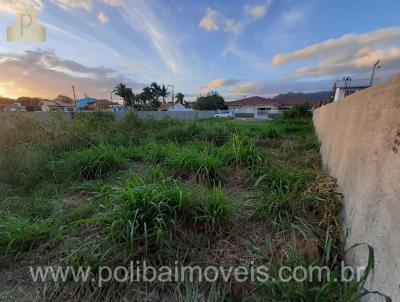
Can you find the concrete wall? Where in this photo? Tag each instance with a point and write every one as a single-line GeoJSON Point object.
{"type": "Point", "coordinates": [360, 137]}
{"type": "Point", "coordinates": [157, 115]}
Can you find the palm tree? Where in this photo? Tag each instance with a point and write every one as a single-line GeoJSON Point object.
{"type": "Point", "coordinates": [164, 93]}
{"type": "Point", "coordinates": [156, 89]}
{"type": "Point", "coordinates": [124, 92]}
{"type": "Point", "coordinates": [179, 98]}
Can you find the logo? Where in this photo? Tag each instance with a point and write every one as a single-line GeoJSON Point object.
{"type": "Point", "coordinates": [26, 29]}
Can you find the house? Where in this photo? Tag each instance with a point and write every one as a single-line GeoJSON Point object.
{"type": "Point", "coordinates": [347, 87]}
{"type": "Point", "coordinates": [174, 107]}
{"type": "Point", "coordinates": [15, 107]}
{"type": "Point", "coordinates": [117, 108]}
{"type": "Point", "coordinates": [85, 103]}
{"type": "Point", "coordinates": [53, 106]}
{"type": "Point", "coordinates": [259, 107]}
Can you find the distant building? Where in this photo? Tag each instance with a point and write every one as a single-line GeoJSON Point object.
{"type": "Point", "coordinates": [85, 103]}
{"type": "Point", "coordinates": [117, 108]}
{"type": "Point", "coordinates": [347, 86]}
{"type": "Point", "coordinates": [56, 106]}
{"type": "Point", "coordinates": [174, 107]}
{"type": "Point", "coordinates": [259, 107]}
{"type": "Point", "coordinates": [15, 107]}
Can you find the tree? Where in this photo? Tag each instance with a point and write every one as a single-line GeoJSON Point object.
{"type": "Point", "coordinates": [156, 90]}
{"type": "Point", "coordinates": [299, 111]}
{"type": "Point", "coordinates": [164, 93]}
{"type": "Point", "coordinates": [64, 98]}
{"type": "Point", "coordinates": [124, 92]}
{"type": "Point", "coordinates": [180, 98]}
{"type": "Point", "coordinates": [212, 101]}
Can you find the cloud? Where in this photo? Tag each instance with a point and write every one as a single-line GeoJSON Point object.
{"type": "Point", "coordinates": [210, 20]}
{"type": "Point", "coordinates": [74, 4]}
{"type": "Point", "coordinates": [257, 11]}
{"type": "Point", "coordinates": [218, 83]}
{"type": "Point", "coordinates": [142, 18]}
{"type": "Point", "coordinates": [274, 87]}
{"type": "Point", "coordinates": [343, 45]}
{"type": "Point", "coordinates": [293, 17]}
{"type": "Point", "coordinates": [233, 26]}
{"type": "Point", "coordinates": [112, 2]}
{"type": "Point", "coordinates": [11, 6]}
{"type": "Point", "coordinates": [352, 54]}
{"type": "Point", "coordinates": [215, 21]}
{"type": "Point", "coordinates": [246, 88]}
{"type": "Point", "coordinates": [103, 18]}
{"type": "Point", "coordinates": [389, 60]}
{"type": "Point", "coordinates": [43, 73]}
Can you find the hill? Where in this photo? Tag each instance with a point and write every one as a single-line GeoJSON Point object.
{"type": "Point", "coordinates": [313, 97]}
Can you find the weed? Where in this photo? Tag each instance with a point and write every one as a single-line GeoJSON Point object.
{"type": "Point", "coordinates": [217, 207]}
{"type": "Point", "coordinates": [21, 235]}
{"type": "Point", "coordinates": [92, 163]}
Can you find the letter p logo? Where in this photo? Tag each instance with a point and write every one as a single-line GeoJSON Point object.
{"type": "Point", "coordinates": [26, 29]}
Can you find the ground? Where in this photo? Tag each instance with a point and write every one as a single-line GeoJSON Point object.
{"type": "Point", "coordinates": [98, 192]}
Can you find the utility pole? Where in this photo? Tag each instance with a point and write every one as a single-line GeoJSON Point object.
{"type": "Point", "coordinates": [73, 91]}
{"type": "Point", "coordinates": [376, 65]}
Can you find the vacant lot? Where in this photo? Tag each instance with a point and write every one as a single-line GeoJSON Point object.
{"type": "Point", "coordinates": [98, 192]}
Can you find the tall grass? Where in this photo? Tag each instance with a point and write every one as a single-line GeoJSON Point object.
{"type": "Point", "coordinates": [91, 163]}
{"type": "Point", "coordinates": [20, 235]}
{"type": "Point", "coordinates": [163, 189]}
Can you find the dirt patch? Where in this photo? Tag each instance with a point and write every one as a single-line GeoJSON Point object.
{"type": "Point", "coordinates": [237, 180]}
{"type": "Point", "coordinates": [75, 200]}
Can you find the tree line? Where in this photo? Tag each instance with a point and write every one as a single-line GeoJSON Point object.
{"type": "Point", "coordinates": [149, 98]}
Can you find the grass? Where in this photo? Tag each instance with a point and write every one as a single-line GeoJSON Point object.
{"type": "Point", "coordinates": [97, 191]}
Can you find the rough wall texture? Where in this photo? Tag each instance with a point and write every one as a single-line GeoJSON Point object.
{"type": "Point", "coordinates": [360, 146]}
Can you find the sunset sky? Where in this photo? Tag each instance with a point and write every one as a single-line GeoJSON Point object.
{"type": "Point", "coordinates": [238, 48]}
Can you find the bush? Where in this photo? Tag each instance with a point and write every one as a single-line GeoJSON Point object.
{"type": "Point", "coordinates": [298, 111]}
{"type": "Point", "coordinates": [212, 101]}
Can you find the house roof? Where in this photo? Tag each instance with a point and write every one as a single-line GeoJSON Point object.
{"type": "Point", "coordinates": [56, 104]}
{"type": "Point", "coordinates": [166, 106]}
{"type": "Point", "coordinates": [14, 105]}
{"type": "Point", "coordinates": [252, 101]}
{"type": "Point", "coordinates": [260, 101]}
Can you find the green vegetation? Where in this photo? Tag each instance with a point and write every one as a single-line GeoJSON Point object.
{"type": "Point", "coordinates": [299, 111]}
{"type": "Point", "coordinates": [211, 101]}
{"type": "Point", "coordinates": [96, 191]}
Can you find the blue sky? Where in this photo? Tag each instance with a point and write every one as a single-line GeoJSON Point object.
{"type": "Point", "coordinates": [239, 48]}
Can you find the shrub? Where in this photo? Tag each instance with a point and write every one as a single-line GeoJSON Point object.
{"type": "Point", "coordinates": [298, 111]}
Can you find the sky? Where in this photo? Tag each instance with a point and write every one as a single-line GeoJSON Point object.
{"type": "Point", "coordinates": [238, 48]}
